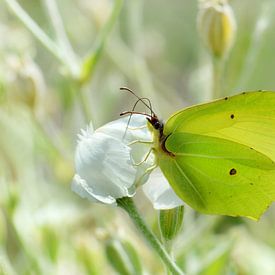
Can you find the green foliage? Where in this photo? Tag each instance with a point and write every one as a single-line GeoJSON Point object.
{"type": "Point", "coordinates": [123, 257]}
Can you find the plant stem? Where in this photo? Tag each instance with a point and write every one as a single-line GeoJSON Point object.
{"type": "Point", "coordinates": [32, 26]}
{"type": "Point", "coordinates": [258, 38]}
{"type": "Point", "coordinates": [17, 251]}
{"type": "Point", "coordinates": [63, 50]}
{"type": "Point", "coordinates": [217, 71]}
{"type": "Point", "coordinates": [93, 57]}
{"type": "Point", "coordinates": [108, 26]}
{"type": "Point", "coordinates": [136, 33]}
{"type": "Point", "coordinates": [168, 247]}
{"type": "Point", "coordinates": [86, 109]}
{"type": "Point", "coordinates": [51, 146]}
{"type": "Point", "coordinates": [61, 36]}
{"type": "Point", "coordinates": [128, 205]}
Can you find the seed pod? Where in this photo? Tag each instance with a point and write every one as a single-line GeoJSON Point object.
{"type": "Point", "coordinates": [170, 222]}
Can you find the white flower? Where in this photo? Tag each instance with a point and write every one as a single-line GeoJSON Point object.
{"type": "Point", "coordinates": [105, 164]}
{"type": "Point", "coordinates": [160, 193]}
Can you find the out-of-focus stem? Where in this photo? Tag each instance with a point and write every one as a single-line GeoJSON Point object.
{"type": "Point", "coordinates": [37, 31]}
{"type": "Point", "coordinates": [86, 108]}
{"type": "Point", "coordinates": [217, 71]}
{"type": "Point", "coordinates": [61, 36]}
{"type": "Point", "coordinates": [128, 205]}
{"type": "Point", "coordinates": [93, 57]}
{"type": "Point", "coordinates": [17, 242]}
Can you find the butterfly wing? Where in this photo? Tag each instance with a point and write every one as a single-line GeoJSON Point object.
{"type": "Point", "coordinates": [217, 176]}
{"type": "Point", "coordinates": [248, 118]}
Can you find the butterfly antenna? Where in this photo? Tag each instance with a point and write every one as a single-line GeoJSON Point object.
{"type": "Point", "coordinates": [142, 99]}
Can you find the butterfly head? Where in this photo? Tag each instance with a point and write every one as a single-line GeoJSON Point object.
{"type": "Point", "coordinates": [156, 123]}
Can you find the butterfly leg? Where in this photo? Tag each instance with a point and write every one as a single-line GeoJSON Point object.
{"type": "Point", "coordinates": [151, 168]}
{"type": "Point", "coordinates": [145, 158]}
{"type": "Point", "coordinates": [147, 154]}
{"type": "Point", "coordinates": [133, 129]}
{"type": "Point", "coordinates": [154, 165]}
{"type": "Point", "coordinates": [146, 173]}
{"type": "Point", "coordinates": [137, 128]}
{"type": "Point", "coordinates": [140, 141]}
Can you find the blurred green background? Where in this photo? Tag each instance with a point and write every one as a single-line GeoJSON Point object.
{"type": "Point", "coordinates": [65, 70]}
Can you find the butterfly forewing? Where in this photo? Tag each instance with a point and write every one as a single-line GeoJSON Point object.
{"type": "Point", "coordinates": [248, 118]}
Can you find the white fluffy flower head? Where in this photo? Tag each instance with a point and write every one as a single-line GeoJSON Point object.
{"type": "Point", "coordinates": [105, 162]}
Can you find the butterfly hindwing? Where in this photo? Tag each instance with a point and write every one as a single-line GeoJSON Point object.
{"type": "Point", "coordinates": [218, 176]}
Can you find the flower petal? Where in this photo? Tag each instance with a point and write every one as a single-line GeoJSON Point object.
{"type": "Point", "coordinates": [81, 187]}
{"type": "Point", "coordinates": [105, 159]}
{"type": "Point", "coordinates": [159, 192]}
{"type": "Point", "coordinates": [136, 130]}
{"type": "Point", "coordinates": [105, 164]}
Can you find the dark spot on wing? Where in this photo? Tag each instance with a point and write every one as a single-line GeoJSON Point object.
{"type": "Point", "coordinates": [260, 90]}
{"type": "Point", "coordinates": [243, 93]}
{"type": "Point", "coordinates": [233, 171]}
{"type": "Point", "coordinates": [232, 116]}
{"type": "Point", "coordinates": [251, 183]}
{"type": "Point", "coordinates": [226, 98]}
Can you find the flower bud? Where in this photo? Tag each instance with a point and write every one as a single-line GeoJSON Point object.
{"type": "Point", "coordinates": [25, 81]}
{"type": "Point", "coordinates": [217, 26]}
{"type": "Point", "coordinates": [123, 257]}
{"type": "Point", "coordinates": [170, 222]}
{"type": "Point", "coordinates": [100, 10]}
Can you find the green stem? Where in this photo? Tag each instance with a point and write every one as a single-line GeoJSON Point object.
{"type": "Point", "coordinates": [141, 71]}
{"type": "Point", "coordinates": [93, 57]}
{"type": "Point", "coordinates": [17, 251]}
{"type": "Point", "coordinates": [51, 146]}
{"type": "Point", "coordinates": [109, 25]}
{"type": "Point", "coordinates": [217, 64]}
{"type": "Point", "coordinates": [61, 36]}
{"type": "Point", "coordinates": [64, 53]}
{"type": "Point", "coordinates": [168, 247]}
{"type": "Point", "coordinates": [86, 108]}
{"type": "Point", "coordinates": [258, 38]}
{"type": "Point", "coordinates": [38, 32]}
{"type": "Point", "coordinates": [128, 205]}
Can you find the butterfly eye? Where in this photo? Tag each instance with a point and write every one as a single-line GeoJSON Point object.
{"type": "Point", "coordinates": [157, 125]}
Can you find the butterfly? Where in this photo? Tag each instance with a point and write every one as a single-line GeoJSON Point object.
{"type": "Point", "coordinates": [219, 157]}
